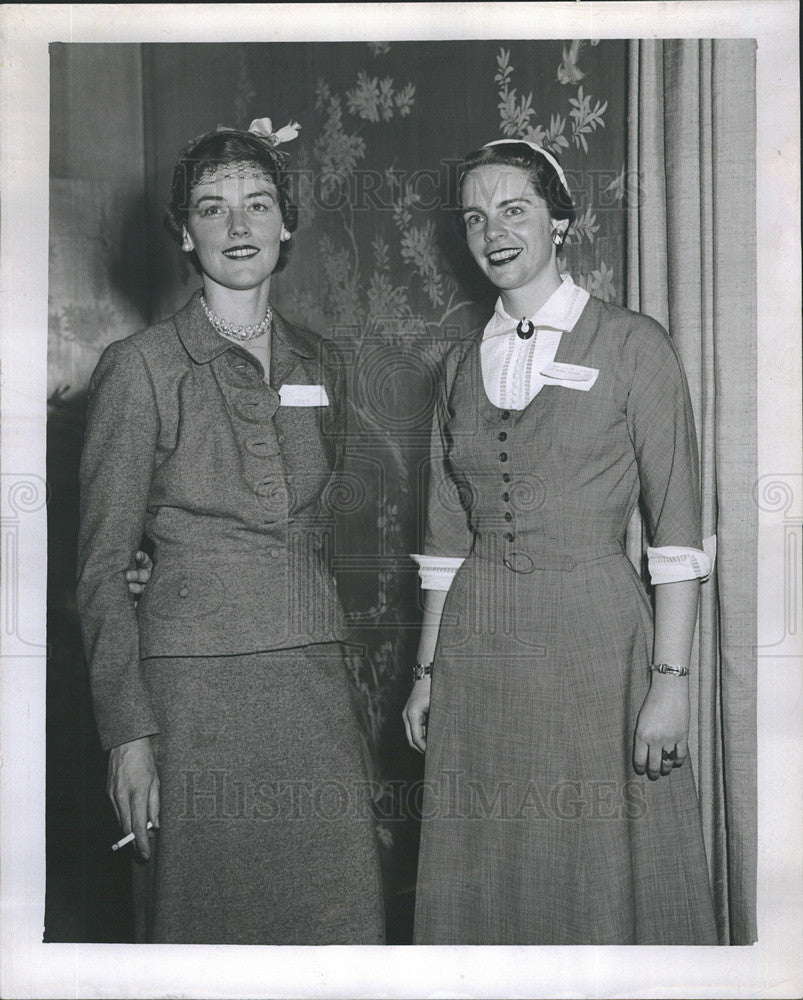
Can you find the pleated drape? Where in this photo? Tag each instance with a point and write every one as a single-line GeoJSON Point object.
{"type": "Point", "coordinates": [691, 264]}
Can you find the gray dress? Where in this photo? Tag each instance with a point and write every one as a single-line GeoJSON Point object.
{"type": "Point", "coordinates": [537, 830]}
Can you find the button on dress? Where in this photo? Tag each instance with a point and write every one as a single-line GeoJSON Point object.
{"type": "Point", "coordinates": [536, 828]}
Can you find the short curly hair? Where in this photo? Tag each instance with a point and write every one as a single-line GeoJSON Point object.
{"type": "Point", "coordinates": [226, 148]}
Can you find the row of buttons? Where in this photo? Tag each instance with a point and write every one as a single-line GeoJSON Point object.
{"type": "Point", "coordinates": [503, 457]}
{"type": "Point", "coordinates": [252, 403]}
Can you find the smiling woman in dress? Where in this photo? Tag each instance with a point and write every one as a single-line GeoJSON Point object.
{"type": "Point", "coordinates": [222, 696]}
{"type": "Point", "coordinates": [552, 706]}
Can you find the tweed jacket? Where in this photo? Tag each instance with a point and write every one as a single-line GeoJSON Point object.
{"type": "Point", "coordinates": [187, 445]}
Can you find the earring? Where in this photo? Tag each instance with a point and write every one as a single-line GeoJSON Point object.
{"type": "Point", "coordinates": [558, 237]}
{"type": "Point", "coordinates": [284, 235]}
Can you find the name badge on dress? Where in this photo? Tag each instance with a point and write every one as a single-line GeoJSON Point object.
{"type": "Point", "coordinates": [570, 376]}
{"type": "Point", "coordinates": [303, 395]}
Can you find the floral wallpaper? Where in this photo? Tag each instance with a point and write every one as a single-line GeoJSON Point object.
{"type": "Point", "coordinates": [379, 267]}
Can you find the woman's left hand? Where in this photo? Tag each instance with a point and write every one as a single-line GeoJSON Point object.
{"type": "Point", "coordinates": [662, 731]}
{"type": "Point", "coordinates": [416, 713]}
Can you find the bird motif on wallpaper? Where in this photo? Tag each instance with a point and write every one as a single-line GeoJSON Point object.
{"type": "Point", "coordinates": [568, 71]}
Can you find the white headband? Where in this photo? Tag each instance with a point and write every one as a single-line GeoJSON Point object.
{"type": "Point", "coordinates": [539, 149]}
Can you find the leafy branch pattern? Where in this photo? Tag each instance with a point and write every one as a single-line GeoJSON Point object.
{"type": "Point", "coordinates": [585, 227]}
{"type": "Point", "coordinates": [375, 100]}
{"type": "Point", "coordinates": [572, 129]}
{"type": "Point", "coordinates": [585, 119]}
{"type": "Point", "coordinates": [384, 307]}
{"type": "Point", "coordinates": [599, 282]}
{"type": "Point", "coordinates": [518, 115]}
{"type": "Point", "coordinates": [245, 92]}
{"type": "Point", "coordinates": [337, 151]}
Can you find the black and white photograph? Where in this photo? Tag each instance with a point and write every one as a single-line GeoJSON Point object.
{"type": "Point", "coordinates": [402, 500]}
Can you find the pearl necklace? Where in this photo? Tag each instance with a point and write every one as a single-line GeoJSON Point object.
{"type": "Point", "coordinates": [232, 330]}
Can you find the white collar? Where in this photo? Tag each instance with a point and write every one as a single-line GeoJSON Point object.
{"type": "Point", "coordinates": [560, 311]}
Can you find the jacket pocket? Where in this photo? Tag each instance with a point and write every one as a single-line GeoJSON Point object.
{"type": "Point", "coordinates": [182, 593]}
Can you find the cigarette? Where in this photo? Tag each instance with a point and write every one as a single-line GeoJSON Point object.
{"type": "Point", "coordinates": [127, 839]}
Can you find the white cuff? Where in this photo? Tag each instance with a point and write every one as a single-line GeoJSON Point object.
{"type": "Point", "coordinates": [674, 563]}
{"type": "Point", "coordinates": [437, 572]}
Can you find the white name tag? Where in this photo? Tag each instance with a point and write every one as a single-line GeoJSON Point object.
{"type": "Point", "coordinates": [570, 376]}
{"type": "Point", "coordinates": [303, 395]}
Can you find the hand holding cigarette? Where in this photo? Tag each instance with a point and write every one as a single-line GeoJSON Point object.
{"type": "Point", "coordinates": [133, 787]}
{"type": "Point", "coordinates": [129, 838]}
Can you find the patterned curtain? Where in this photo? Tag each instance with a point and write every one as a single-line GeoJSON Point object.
{"type": "Point", "coordinates": [379, 267]}
{"type": "Point", "coordinates": [692, 266]}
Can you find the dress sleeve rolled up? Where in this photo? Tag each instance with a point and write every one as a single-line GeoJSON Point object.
{"type": "Point", "coordinates": [447, 529]}
{"type": "Point", "coordinates": [661, 425]}
{"type": "Point", "coordinates": [116, 470]}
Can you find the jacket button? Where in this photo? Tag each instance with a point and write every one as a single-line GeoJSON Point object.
{"type": "Point", "coordinates": [506, 497]}
{"type": "Point", "coordinates": [502, 436]}
{"type": "Point", "coordinates": [502, 456]}
{"type": "Point", "coordinates": [510, 536]}
{"type": "Point", "coordinates": [275, 553]}
{"type": "Point", "coordinates": [505, 415]}
{"type": "Point", "coordinates": [258, 447]}
{"type": "Point", "coordinates": [184, 591]}
{"type": "Point", "coordinates": [508, 516]}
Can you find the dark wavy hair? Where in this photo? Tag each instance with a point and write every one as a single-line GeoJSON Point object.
{"type": "Point", "coordinates": [541, 173]}
{"type": "Point", "coordinates": [222, 148]}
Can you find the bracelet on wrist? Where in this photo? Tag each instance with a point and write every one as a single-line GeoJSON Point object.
{"type": "Point", "coordinates": [421, 670]}
{"type": "Point", "coordinates": [668, 668]}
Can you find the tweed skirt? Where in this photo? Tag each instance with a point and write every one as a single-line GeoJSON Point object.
{"type": "Point", "coordinates": [266, 834]}
{"type": "Point", "coordinates": [536, 828]}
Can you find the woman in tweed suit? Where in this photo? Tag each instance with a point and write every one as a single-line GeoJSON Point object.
{"type": "Point", "coordinates": [553, 708]}
{"type": "Point", "coordinates": [222, 696]}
